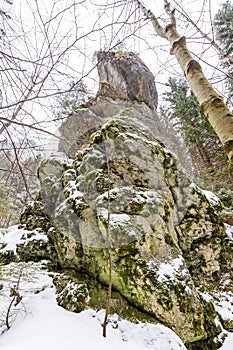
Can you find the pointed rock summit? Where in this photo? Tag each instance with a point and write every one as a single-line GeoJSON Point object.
{"type": "Point", "coordinates": [125, 82]}
{"type": "Point", "coordinates": [125, 76]}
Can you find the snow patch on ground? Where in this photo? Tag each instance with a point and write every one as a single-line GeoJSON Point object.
{"type": "Point", "coordinates": [39, 323]}
{"type": "Point", "coordinates": [12, 236]}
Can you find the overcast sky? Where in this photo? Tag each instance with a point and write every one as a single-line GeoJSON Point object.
{"type": "Point", "coordinates": [80, 20]}
{"type": "Point", "coordinates": [152, 49]}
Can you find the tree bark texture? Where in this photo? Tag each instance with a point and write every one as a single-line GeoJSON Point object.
{"type": "Point", "coordinates": [212, 104]}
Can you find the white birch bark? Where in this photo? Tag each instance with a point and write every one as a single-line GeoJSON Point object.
{"type": "Point", "coordinates": [212, 104]}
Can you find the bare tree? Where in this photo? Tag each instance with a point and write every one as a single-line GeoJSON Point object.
{"type": "Point", "coordinates": [44, 46]}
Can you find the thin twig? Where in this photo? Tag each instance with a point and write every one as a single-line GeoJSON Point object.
{"type": "Point", "coordinates": [16, 298]}
{"type": "Point", "coordinates": [108, 304]}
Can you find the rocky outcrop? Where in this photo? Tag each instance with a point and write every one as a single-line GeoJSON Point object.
{"type": "Point", "coordinates": [126, 192]}
{"type": "Point", "coordinates": [124, 83]}
{"type": "Point", "coordinates": [124, 76]}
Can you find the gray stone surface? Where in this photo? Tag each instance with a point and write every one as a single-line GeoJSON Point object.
{"type": "Point", "coordinates": [124, 76]}
{"type": "Point", "coordinates": [124, 83]}
{"type": "Point", "coordinates": [166, 238]}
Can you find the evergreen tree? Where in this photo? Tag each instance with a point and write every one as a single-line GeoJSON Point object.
{"type": "Point", "coordinates": [207, 153]}
{"type": "Point", "coordinates": [18, 183]}
{"type": "Point", "coordinates": [223, 23]}
{"type": "Point", "coordinates": [68, 102]}
{"type": "Point", "coordinates": [212, 104]}
{"type": "Point", "coordinates": [8, 209]}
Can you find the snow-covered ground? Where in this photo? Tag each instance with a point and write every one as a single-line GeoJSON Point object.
{"type": "Point", "coordinates": [37, 322]}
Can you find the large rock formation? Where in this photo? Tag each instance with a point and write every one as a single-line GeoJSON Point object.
{"type": "Point", "coordinates": [124, 191]}
{"type": "Point", "coordinates": [124, 82]}
{"type": "Point", "coordinates": [124, 76]}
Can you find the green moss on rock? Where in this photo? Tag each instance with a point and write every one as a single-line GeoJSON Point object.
{"type": "Point", "coordinates": [153, 204]}
{"type": "Point", "coordinates": [34, 216]}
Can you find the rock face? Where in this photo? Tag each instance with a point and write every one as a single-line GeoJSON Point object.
{"type": "Point", "coordinates": [125, 82]}
{"type": "Point", "coordinates": [126, 192]}
{"type": "Point", "coordinates": [124, 76]}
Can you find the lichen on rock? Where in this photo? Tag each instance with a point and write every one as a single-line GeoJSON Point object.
{"type": "Point", "coordinates": [167, 240]}
{"type": "Point", "coordinates": [126, 77]}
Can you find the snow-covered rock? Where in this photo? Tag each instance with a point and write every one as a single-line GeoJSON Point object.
{"type": "Point", "coordinates": [125, 191]}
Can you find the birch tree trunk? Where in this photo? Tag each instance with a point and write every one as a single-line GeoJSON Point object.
{"type": "Point", "coordinates": [212, 104]}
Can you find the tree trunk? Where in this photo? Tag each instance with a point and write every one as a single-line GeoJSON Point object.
{"type": "Point", "coordinates": [212, 104]}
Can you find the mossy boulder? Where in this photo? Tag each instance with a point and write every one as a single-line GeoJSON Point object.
{"type": "Point", "coordinates": [126, 194]}
{"type": "Point", "coordinates": [165, 233]}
